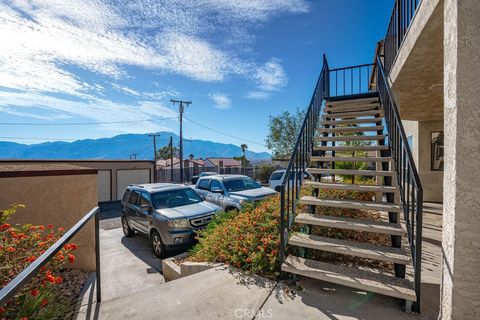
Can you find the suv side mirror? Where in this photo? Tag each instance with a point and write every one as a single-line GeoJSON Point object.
{"type": "Point", "coordinates": [146, 208]}
{"type": "Point", "coordinates": [217, 190]}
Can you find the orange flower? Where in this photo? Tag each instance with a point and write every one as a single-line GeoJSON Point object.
{"type": "Point", "coordinates": [32, 228]}
{"type": "Point", "coordinates": [70, 246]}
{"type": "Point", "coordinates": [30, 259]}
{"type": "Point", "coordinates": [44, 302]}
{"type": "Point", "coordinates": [41, 227]}
{"type": "Point", "coordinates": [34, 292]}
{"type": "Point", "coordinates": [10, 249]}
{"type": "Point", "coordinates": [50, 278]}
{"type": "Point", "coordinates": [61, 256]}
{"type": "Point", "coordinates": [249, 260]}
{"type": "Point", "coordinates": [71, 258]}
{"type": "Point", "coordinates": [61, 229]}
{"type": "Point", "coordinates": [4, 226]}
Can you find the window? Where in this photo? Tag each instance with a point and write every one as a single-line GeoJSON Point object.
{"type": "Point", "coordinates": [203, 184]}
{"type": "Point", "coordinates": [437, 151]}
{"type": "Point", "coordinates": [144, 199]}
{"type": "Point", "coordinates": [277, 175]}
{"type": "Point", "coordinates": [410, 142]}
{"type": "Point", "coordinates": [134, 195]}
{"type": "Point", "coordinates": [215, 184]}
{"type": "Point", "coordinates": [175, 198]}
{"type": "Point", "coordinates": [126, 195]}
{"type": "Point", "coordinates": [241, 184]}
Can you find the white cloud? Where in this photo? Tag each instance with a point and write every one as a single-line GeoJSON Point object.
{"type": "Point", "coordinates": [258, 95]}
{"type": "Point", "coordinates": [45, 42]}
{"type": "Point", "coordinates": [221, 101]}
{"type": "Point", "coordinates": [125, 89]}
{"type": "Point", "coordinates": [271, 76]}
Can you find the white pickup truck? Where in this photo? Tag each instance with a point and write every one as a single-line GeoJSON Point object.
{"type": "Point", "coordinates": [230, 192]}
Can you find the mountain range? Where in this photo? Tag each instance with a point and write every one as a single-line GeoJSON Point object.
{"type": "Point", "coordinates": [121, 147]}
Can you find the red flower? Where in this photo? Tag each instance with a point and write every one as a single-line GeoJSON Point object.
{"type": "Point", "coordinates": [4, 226]}
{"type": "Point", "coordinates": [32, 228]}
{"type": "Point", "coordinates": [10, 249]}
{"type": "Point", "coordinates": [58, 280]}
{"type": "Point", "coordinates": [50, 278]}
{"type": "Point", "coordinates": [30, 259]}
{"type": "Point", "coordinates": [44, 302]}
{"type": "Point", "coordinates": [41, 227]}
{"type": "Point", "coordinates": [61, 256]}
{"type": "Point", "coordinates": [2, 310]}
{"type": "Point", "coordinates": [49, 226]}
{"type": "Point", "coordinates": [34, 292]}
{"type": "Point", "coordinates": [71, 258]}
{"type": "Point", "coordinates": [70, 246]}
{"type": "Point", "coordinates": [60, 229]}
{"type": "Point", "coordinates": [249, 260]}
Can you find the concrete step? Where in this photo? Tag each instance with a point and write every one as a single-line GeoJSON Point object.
{"type": "Point", "coordinates": [351, 108]}
{"type": "Point", "coordinates": [351, 148]}
{"type": "Point", "coordinates": [350, 121]}
{"type": "Point", "coordinates": [350, 204]}
{"type": "Point", "coordinates": [350, 224]}
{"type": "Point", "coordinates": [356, 249]}
{"type": "Point", "coordinates": [351, 277]}
{"type": "Point", "coordinates": [350, 187]}
{"type": "Point", "coordinates": [350, 129]}
{"type": "Point", "coordinates": [352, 138]}
{"type": "Point", "coordinates": [350, 172]}
{"type": "Point", "coordinates": [353, 102]}
{"type": "Point", "coordinates": [352, 114]}
{"type": "Point", "coordinates": [349, 159]}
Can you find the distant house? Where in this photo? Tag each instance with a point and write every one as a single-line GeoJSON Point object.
{"type": "Point", "coordinates": [222, 163]}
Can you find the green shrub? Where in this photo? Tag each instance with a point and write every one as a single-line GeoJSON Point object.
{"type": "Point", "coordinates": [248, 240]}
{"type": "Point", "coordinates": [264, 171]}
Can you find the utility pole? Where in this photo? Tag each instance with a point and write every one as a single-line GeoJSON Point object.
{"type": "Point", "coordinates": [171, 159]}
{"type": "Point", "coordinates": [154, 136]}
{"type": "Point", "coordinates": [181, 109]}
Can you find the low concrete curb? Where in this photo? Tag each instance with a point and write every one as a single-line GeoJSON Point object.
{"type": "Point", "coordinates": [172, 271]}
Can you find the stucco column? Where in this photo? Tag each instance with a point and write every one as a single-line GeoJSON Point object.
{"type": "Point", "coordinates": [461, 216]}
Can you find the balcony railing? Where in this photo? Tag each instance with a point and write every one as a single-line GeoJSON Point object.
{"type": "Point", "coordinates": [350, 81]}
{"type": "Point", "coordinates": [402, 16]}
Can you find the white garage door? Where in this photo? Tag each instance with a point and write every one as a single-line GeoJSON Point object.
{"type": "Point", "coordinates": [131, 176]}
{"type": "Point", "coordinates": [103, 185]}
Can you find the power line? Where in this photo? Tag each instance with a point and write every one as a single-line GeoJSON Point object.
{"type": "Point", "coordinates": [80, 123]}
{"type": "Point", "coordinates": [225, 134]}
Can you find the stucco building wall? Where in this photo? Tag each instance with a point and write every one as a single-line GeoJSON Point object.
{"type": "Point", "coordinates": [61, 200]}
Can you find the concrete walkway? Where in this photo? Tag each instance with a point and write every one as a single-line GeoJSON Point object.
{"type": "Point", "coordinates": [133, 289]}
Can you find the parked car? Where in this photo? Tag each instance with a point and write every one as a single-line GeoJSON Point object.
{"type": "Point", "coordinates": [203, 174]}
{"type": "Point", "coordinates": [231, 191]}
{"type": "Point", "coordinates": [168, 214]}
{"type": "Point", "coordinates": [276, 178]}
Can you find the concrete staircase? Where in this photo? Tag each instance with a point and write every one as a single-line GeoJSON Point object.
{"type": "Point", "coordinates": [342, 128]}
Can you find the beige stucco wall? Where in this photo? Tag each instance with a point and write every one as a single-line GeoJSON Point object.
{"type": "Point", "coordinates": [432, 181]}
{"type": "Point", "coordinates": [59, 200]}
{"type": "Point", "coordinates": [461, 222]}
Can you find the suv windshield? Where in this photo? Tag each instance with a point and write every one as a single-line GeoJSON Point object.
{"type": "Point", "coordinates": [241, 184]}
{"type": "Point", "coordinates": [174, 198]}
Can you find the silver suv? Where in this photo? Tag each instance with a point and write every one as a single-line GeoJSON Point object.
{"type": "Point", "coordinates": [231, 191]}
{"type": "Point", "coordinates": [167, 213]}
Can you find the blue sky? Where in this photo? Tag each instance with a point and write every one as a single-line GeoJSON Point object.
{"type": "Point", "coordinates": [84, 61]}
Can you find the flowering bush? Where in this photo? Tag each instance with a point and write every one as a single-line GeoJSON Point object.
{"type": "Point", "coordinates": [20, 245]}
{"type": "Point", "coordinates": [248, 240]}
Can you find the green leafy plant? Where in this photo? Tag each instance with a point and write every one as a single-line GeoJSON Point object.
{"type": "Point", "coordinates": [248, 240]}
{"type": "Point", "coordinates": [20, 245]}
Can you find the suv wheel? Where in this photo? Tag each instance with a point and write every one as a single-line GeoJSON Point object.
{"type": "Point", "coordinates": [157, 244]}
{"type": "Point", "coordinates": [127, 231]}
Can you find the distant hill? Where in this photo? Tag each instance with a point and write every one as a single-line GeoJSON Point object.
{"type": "Point", "coordinates": [120, 147]}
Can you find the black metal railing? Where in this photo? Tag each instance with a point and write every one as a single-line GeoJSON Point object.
{"type": "Point", "coordinates": [23, 277]}
{"type": "Point", "coordinates": [411, 192]}
{"type": "Point", "coordinates": [402, 16]}
{"type": "Point", "coordinates": [350, 81]}
{"type": "Point", "coordinates": [293, 177]}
